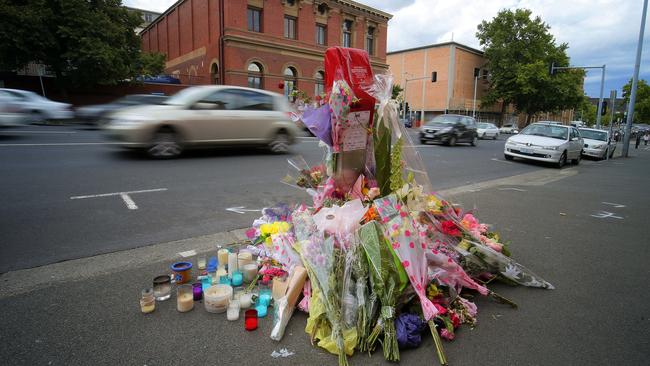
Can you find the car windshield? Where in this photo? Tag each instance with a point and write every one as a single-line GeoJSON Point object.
{"type": "Point", "coordinates": [594, 135]}
{"type": "Point", "coordinates": [444, 119]}
{"type": "Point", "coordinates": [185, 96]}
{"type": "Point", "coordinates": [552, 131]}
{"type": "Point", "coordinates": [483, 125]}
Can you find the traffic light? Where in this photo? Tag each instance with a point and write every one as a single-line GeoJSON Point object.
{"type": "Point", "coordinates": [477, 72]}
{"type": "Point", "coordinates": [434, 76]}
{"type": "Point", "coordinates": [407, 108]}
{"type": "Point", "coordinates": [603, 110]}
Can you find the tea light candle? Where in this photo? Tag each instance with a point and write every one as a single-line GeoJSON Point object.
{"type": "Point", "coordinates": [232, 263]}
{"type": "Point", "coordinates": [250, 272]}
{"type": "Point", "coordinates": [223, 256]}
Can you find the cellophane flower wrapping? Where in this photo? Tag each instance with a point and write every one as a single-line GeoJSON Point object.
{"type": "Point", "coordinates": [388, 280]}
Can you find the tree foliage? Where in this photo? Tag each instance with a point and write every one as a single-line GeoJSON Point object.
{"type": "Point", "coordinates": [397, 91]}
{"type": "Point", "coordinates": [641, 101]}
{"type": "Point", "coordinates": [519, 50]}
{"type": "Point", "coordinates": [82, 42]}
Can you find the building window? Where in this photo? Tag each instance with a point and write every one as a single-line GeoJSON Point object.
{"type": "Point", "coordinates": [485, 74]}
{"type": "Point", "coordinates": [370, 41]}
{"type": "Point", "coordinates": [255, 75]}
{"type": "Point", "coordinates": [319, 85]}
{"type": "Point", "coordinates": [254, 20]}
{"type": "Point", "coordinates": [321, 34]}
{"type": "Point", "coordinates": [290, 75]}
{"type": "Point", "coordinates": [289, 27]}
{"type": "Point", "coordinates": [347, 33]}
{"type": "Point", "coordinates": [214, 74]}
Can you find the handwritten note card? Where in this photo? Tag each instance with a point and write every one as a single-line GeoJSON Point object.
{"type": "Point", "coordinates": [355, 131]}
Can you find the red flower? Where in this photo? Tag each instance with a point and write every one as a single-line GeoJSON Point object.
{"type": "Point", "coordinates": [450, 228]}
{"type": "Point", "coordinates": [455, 320]}
{"type": "Point", "coordinates": [441, 310]}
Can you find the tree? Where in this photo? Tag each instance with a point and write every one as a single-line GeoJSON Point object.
{"type": "Point", "coordinates": [82, 42]}
{"type": "Point", "coordinates": [151, 64]}
{"type": "Point", "coordinates": [641, 101]}
{"type": "Point", "coordinates": [397, 91]}
{"type": "Point", "coordinates": [519, 51]}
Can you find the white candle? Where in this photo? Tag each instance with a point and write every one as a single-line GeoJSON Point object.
{"type": "Point", "coordinates": [232, 313]}
{"type": "Point", "coordinates": [232, 263]}
{"type": "Point", "coordinates": [185, 302]}
{"type": "Point", "coordinates": [217, 298]}
{"type": "Point", "coordinates": [245, 300]}
{"type": "Point", "coordinates": [250, 271]}
{"type": "Point", "coordinates": [244, 257]}
{"type": "Point", "coordinates": [222, 255]}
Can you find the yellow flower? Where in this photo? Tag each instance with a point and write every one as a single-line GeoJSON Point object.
{"type": "Point", "coordinates": [284, 226]}
{"type": "Point", "coordinates": [464, 244]}
{"type": "Point", "coordinates": [265, 229]}
{"type": "Point", "coordinates": [268, 241]}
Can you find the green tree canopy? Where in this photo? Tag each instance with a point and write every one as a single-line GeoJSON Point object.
{"type": "Point", "coordinates": [641, 101]}
{"type": "Point", "coordinates": [519, 50]}
{"type": "Point", "coordinates": [82, 42]}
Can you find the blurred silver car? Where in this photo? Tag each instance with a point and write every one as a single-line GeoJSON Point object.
{"type": "Point", "coordinates": [547, 142]}
{"type": "Point", "coordinates": [597, 143]}
{"type": "Point", "coordinates": [37, 107]}
{"type": "Point", "coordinates": [203, 116]}
{"type": "Point", "coordinates": [487, 130]}
{"type": "Point", "coordinates": [11, 113]}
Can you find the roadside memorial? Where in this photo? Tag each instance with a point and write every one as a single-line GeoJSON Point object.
{"type": "Point", "coordinates": [376, 258]}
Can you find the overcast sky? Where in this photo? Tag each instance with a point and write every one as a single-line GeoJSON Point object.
{"type": "Point", "coordinates": [598, 31]}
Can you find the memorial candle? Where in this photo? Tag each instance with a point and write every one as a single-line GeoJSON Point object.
{"type": "Point", "coordinates": [223, 256]}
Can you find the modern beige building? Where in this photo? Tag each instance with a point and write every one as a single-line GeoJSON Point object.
{"type": "Point", "coordinates": [455, 66]}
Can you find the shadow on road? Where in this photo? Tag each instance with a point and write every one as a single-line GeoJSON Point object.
{"type": "Point", "coordinates": [203, 153]}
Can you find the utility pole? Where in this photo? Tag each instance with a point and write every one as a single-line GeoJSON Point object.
{"type": "Point", "coordinates": [635, 79]}
{"type": "Point", "coordinates": [406, 81]}
{"type": "Point", "coordinates": [476, 72]}
{"type": "Point", "coordinates": [612, 103]}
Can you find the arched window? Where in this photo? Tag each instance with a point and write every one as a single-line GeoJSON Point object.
{"type": "Point", "coordinates": [290, 82]}
{"type": "Point", "coordinates": [255, 72]}
{"type": "Point", "coordinates": [214, 74]}
{"type": "Point", "coordinates": [319, 83]}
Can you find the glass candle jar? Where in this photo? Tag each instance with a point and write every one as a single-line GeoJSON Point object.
{"type": "Point", "coordinates": [201, 262]}
{"type": "Point", "coordinates": [162, 287]}
{"type": "Point", "coordinates": [223, 257]}
{"type": "Point", "coordinates": [250, 272]}
{"type": "Point", "coordinates": [184, 298]}
{"type": "Point", "coordinates": [243, 258]}
{"type": "Point", "coordinates": [197, 291]}
{"type": "Point", "coordinates": [237, 279]}
{"type": "Point", "coordinates": [147, 301]}
{"type": "Point", "coordinates": [250, 319]}
{"type": "Point", "coordinates": [217, 298]}
{"type": "Point", "coordinates": [232, 263]}
{"type": "Point", "coordinates": [232, 313]}
{"type": "Point", "coordinates": [245, 300]}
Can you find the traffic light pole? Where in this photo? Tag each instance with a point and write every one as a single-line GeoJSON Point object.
{"type": "Point", "coordinates": [602, 85]}
{"type": "Point", "coordinates": [406, 82]}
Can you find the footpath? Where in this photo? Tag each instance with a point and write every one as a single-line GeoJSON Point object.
{"type": "Point", "coordinates": [585, 231]}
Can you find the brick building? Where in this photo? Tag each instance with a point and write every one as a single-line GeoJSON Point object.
{"type": "Point", "coordinates": [270, 44]}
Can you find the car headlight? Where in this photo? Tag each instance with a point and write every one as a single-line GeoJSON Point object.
{"type": "Point", "coordinates": [598, 146]}
{"type": "Point", "coordinates": [550, 147]}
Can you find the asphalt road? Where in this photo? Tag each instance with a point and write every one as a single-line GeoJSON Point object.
{"type": "Point", "coordinates": [585, 232]}
{"type": "Point", "coordinates": [61, 190]}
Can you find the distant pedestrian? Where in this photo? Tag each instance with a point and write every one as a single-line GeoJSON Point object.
{"type": "Point", "coordinates": [646, 137]}
{"type": "Point", "coordinates": [638, 140]}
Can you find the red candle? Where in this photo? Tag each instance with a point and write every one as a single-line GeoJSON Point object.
{"type": "Point", "coordinates": [250, 319]}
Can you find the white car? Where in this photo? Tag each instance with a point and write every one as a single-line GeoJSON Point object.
{"type": "Point", "coordinates": [487, 130]}
{"type": "Point", "coordinates": [11, 113]}
{"type": "Point", "coordinates": [509, 128]}
{"type": "Point", "coordinates": [206, 116]}
{"type": "Point", "coordinates": [37, 107]}
{"type": "Point", "coordinates": [597, 143]}
{"type": "Point", "coordinates": [547, 142]}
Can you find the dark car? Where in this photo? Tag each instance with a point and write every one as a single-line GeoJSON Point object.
{"type": "Point", "coordinates": [96, 113]}
{"type": "Point", "coordinates": [449, 129]}
{"type": "Point", "coordinates": [408, 123]}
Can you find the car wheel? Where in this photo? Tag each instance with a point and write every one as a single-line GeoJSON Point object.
{"type": "Point", "coordinates": [36, 117]}
{"type": "Point", "coordinates": [576, 161]}
{"type": "Point", "coordinates": [495, 137]}
{"type": "Point", "coordinates": [165, 145]}
{"type": "Point", "coordinates": [474, 141]}
{"type": "Point", "coordinates": [508, 157]}
{"type": "Point", "coordinates": [452, 141]}
{"type": "Point", "coordinates": [562, 160]}
{"type": "Point", "coordinates": [280, 143]}
{"type": "Point", "coordinates": [423, 141]}
{"type": "Point", "coordinates": [483, 136]}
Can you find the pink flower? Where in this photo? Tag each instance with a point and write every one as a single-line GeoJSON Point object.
{"type": "Point", "coordinates": [447, 334]}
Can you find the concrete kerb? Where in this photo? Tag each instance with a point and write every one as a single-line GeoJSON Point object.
{"type": "Point", "coordinates": [27, 280]}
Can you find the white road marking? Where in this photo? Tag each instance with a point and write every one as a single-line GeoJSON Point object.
{"type": "Point", "coordinates": [187, 253]}
{"type": "Point", "coordinates": [605, 214]}
{"type": "Point", "coordinates": [512, 189]}
{"type": "Point", "coordinates": [241, 210]}
{"type": "Point", "coordinates": [616, 205]}
{"type": "Point", "coordinates": [129, 202]}
{"type": "Point", "coordinates": [71, 144]}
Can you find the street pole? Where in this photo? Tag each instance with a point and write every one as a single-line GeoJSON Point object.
{"type": "Point", "coordinates": [600, 99]}
{"type": "Point", "coordinates": [612, 103]}
{"type": "Point", "coordinates": [474, 104]}
{"type": "Point", "coordinates": [635, 79]}
{"type": "Point", "coordinates": [40, 78]}
{"type": "Point", "coordinates": [406, 81]}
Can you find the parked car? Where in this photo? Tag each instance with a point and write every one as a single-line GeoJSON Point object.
{"type": "Point", "coordinates": [206, 116]}
{"type": "Point", "coordinates": [509, 129]}
{"type": "Point", "coordinates": [407, 122]}
{"type": "Point", "coordinates": [487, 130]}
{"type": "Point", "coordinates": [37, 107]}
{"type": "Point", "coordinates": [546, 142]}
{"type": "Point", "coordinates": [449, 129]}
{"type": "Point", "coordinates": [11, 112]}
{"type": "Point", "coordinates": [96, 113]}
{"type": "Point", "coordinates": [597, 143]}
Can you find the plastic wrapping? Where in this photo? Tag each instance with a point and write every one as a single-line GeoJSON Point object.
{"type": "Point", "coordinates": [409, 328]}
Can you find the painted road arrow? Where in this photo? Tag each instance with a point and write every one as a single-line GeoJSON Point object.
{"type": "Point", "coordinates": [241, 210]}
